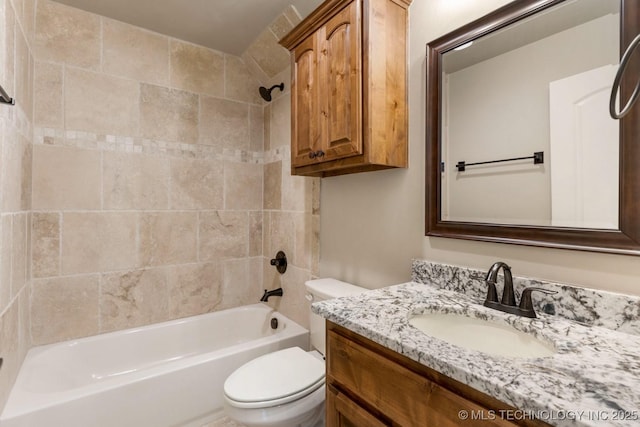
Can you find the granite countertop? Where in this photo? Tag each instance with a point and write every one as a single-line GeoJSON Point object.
{"type": "Point", "coordinates": [593, 379]}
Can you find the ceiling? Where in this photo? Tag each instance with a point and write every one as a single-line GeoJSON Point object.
{"type": "Point", "coordinates": [229, 26]}
{"type": "Point", "coordinates": [540, 25]}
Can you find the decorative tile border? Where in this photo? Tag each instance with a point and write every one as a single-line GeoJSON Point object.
{"type": "Point", "coordinates": [591, 307]}
{"type": "Point", "coordinates": [127, 144]}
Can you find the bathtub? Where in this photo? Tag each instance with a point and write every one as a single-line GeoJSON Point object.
{"type": "Point", "coordinates": [163, 375]}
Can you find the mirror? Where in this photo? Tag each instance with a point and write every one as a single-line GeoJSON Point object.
{"type": "Point", "coordinates": [520, 145]}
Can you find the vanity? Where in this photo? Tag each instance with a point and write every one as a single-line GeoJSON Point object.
{"type": "Point", "coordinates": [383, 371]}
{"type": "Point", "coordinates": [369, 385]}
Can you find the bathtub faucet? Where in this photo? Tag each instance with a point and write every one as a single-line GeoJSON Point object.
{"type": "Point", "coordinates": [273, 293]}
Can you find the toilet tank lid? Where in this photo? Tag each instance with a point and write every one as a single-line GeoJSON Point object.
{"type": "Point", "coordinates": [332, 288]}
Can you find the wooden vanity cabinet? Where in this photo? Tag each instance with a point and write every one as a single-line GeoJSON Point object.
{"type": "Point", "coordinates": [369, 386]}
{"type": "Point", "coordinates": [349, 88]}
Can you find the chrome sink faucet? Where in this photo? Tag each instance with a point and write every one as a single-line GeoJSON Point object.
{"type": "Point", "coordinates": [508, 302]}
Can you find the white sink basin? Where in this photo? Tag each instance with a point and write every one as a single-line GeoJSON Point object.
{"type": "Point", "coordinates": [481, 335]}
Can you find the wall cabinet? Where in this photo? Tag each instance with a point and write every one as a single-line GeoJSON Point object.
{"type": "Point", "coordinates": [349, 88]}
{"type": "Point", "coordinates": [370, 386]}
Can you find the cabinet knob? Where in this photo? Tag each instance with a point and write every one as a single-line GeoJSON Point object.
{"type": "Point", "coordinates": [316, 154]}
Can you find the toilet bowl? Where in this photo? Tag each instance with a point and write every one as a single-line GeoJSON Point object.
{"type": "Point", "coordinates": [286, 388]}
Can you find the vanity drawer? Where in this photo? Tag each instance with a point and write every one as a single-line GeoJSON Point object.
{"type": "Point", "coordinates": [394, 391]}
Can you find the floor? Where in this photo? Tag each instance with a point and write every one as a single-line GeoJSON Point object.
{"type": "Point", "coordinates": [223, 422]}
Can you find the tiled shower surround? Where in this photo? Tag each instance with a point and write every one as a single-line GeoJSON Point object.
{"type": "Point", "coordinates": [145, 181]}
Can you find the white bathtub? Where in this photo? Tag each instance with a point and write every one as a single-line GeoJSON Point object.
{"type": "Point", "coordinates": [163, 375]}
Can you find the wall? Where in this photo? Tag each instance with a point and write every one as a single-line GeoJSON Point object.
{"type": "Point", "coordinates": [16, 70]}
{"type": "Point", "coordinates": [372, 224]}
{"type": "Point", "coordinates": [291, 203]}
{"type": "Point", "coordinates": [146, 177]}
{"type": "Point", "coordinates": [148, 183]}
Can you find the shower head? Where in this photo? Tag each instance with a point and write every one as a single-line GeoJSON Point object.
{"type": "Point", "coordinates": [266, 93]}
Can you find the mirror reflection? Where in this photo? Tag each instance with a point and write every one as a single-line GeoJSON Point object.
{"type": "Point", "coordinates": [536, 91]}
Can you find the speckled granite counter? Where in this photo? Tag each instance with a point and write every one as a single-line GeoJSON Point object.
{"type": "Point", "coordinates": [592, 380]}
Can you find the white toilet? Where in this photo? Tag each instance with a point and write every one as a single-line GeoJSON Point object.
{"type": "Point", "coordinates": [286, 388]}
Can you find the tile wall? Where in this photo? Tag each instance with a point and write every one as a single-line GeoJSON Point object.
{"type": "Point", "coordinates": [147, 177]}
{"type": "Point", "coordinates": [16, 134]}
{"type": "Point", "coordinates": [291, 204]}
{"type": "Point", "coordinates": [143, 179]}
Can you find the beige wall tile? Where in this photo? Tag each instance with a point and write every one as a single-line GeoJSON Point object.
{"type": "Point", "coordinates": [100, 103]}
{"type": "Point", "coordinates": [66, 34]}
{"type": "Point", "coordinates": [168, 114]}
{"type": "Point", "coordinates": [29, 20]}
{"type": "Point", "coordinates": [292, 15]}
{"type": "Point", "coordinates": [224, 123]}
{"type": "Point", "coordinates": [15, 173]}
{"type": "Point", "coordinates": [24, 72]}
{"type": "Point", "coordinates": [273, 185]}
{"type": "Point", "coordinates": [315, 196]}
{"type": "Point", "coordinates": [297, 191]}
{"type": "Point", "coordinates": [256, 128]}
{"type": "Point", "coordinates": [6, 245]}
{"type": "Point", "coordinates": [267, 127]}
{"type": "Point", "coordinates": [281, 234]}
{"type": "Point", "coordinates": [19, 254]}
{"type": "Point", "coordinates": [133, 298]}
{"type": "Point", "coordinates": [281, 26]}
{"type": "Point", "coordinates": [7, 51]}
{"type": "Point", "coordinates": [223, 234]}
{"type": "Point", "coordinates": [26, 182]}
{"type": "Point", "coordinates": [254, 68]}
{"type": "Point", "coordinates": [196, 68]}
{"type": "Point", "coordinates": [98, 242]}
{"type": "Point", "coordinates": [18, 8]}
{"type": "Point", "coordinates": [66, 178]}
{"type": "Point", "coordinates": [242, 186]}
{"type": "Point", "coordinates": [196, 184]}
{"type": "Point", "coordinates": [240, 284]}
{"type": "Point", "coordinates": [64, 308]}
{"type": "Point", "coordinates": [48, 95]}
{"type": "Point", "coordinates": [10, 350]}
{"type": "Point", "coordinates": [268, 54]}
{"type": "Point", "coordinates": [315, 245]}
{"type": "Point", "coordinates": [239, 83]}
{"type": "Point", "coordinates": [168, 238]}
{"type": "Point", "coordinates": [303, 240]}
{"type": "Point", "coordinates": [255, 233]}
{"type": "Point", "coordinates": [135, 181]}
{"type": "Point", "coordinates": [266, 234]}
{"type": "Point", "coordinates": [294, 305]}
{"type": "Point", "coordinates": [45, 244]}
{"type": "Point", "coordinates": [194, 289]}
{"type": "Point", "coordinates": [280, 126]}
{"type": "Point", "coordinates": [132, 52]}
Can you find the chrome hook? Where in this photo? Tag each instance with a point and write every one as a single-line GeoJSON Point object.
{"type": "Point", "coordinates": [616, 83]}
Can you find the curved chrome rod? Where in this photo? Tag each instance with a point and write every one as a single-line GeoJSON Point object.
{"type": "Point", "coordinates": [616, 84]}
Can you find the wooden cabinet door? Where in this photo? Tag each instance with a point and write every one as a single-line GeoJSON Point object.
{"type": "Point", "coordinates": [344, 412]}
{"type": "Point", "coordinates": [341, 87]}
{"type": "Point", "coordinates": [305, 103]}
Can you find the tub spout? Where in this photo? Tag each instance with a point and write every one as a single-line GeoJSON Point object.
{"type": "Point", "coordinates": [273, 293]}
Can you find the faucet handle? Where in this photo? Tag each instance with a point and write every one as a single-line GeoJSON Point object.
{"type": "Point", "coordinates": [526, 304]}
{"type": "Point", "coordinates": [492, 293]}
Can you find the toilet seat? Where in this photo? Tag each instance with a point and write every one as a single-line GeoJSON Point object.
{"type": "Point", "coordinates": [275, 379]}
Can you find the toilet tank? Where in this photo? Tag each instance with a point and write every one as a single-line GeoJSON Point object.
{"type": "Point", "coordinates": [320, 290]}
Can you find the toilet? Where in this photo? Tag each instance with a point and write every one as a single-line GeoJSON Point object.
{"type": "Point", "coordinates": [286, 388]}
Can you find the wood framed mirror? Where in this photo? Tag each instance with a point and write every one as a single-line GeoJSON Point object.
{"type": "Point", "coordinates": [621, 232]}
